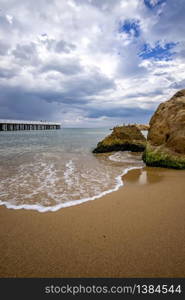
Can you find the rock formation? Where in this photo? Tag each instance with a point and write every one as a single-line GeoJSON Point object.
{"type": "Point", "coordinates": [166, 136]}
{"type": "Point", "coordinates": [123, 138]}
{"type": "Point", "coordinates": [142, 127]}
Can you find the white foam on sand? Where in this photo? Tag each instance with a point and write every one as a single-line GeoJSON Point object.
{"type": "Point", "coordinates": [42, 208]}
{"type": "Point", "coordinates": [124, 157]}
{"type": "Point", "coordinates": [70, 167]}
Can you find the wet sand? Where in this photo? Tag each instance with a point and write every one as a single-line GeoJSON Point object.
{"type": "Point", "coordinates": [138, 231]}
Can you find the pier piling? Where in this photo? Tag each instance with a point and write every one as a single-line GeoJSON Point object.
{"type": "Point", "coordinates": [12, 125]}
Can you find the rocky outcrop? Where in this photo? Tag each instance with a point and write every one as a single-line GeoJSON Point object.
{"type": "Point", "coordinates": [142, 127]}
{"type": "Point", "coordinates": [123, 138]}
{"type": "Point", "coordinates": [166, 136]}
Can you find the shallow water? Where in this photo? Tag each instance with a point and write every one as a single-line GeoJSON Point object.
{"type": "Point", "coordinates": [48, 170]}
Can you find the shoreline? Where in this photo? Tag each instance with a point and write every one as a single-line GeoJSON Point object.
{"type": "Point", "coordinates": [137, 231]}
{"type": "Point", "coordinates": [42, 209]}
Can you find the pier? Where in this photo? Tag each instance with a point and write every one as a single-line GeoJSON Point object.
{"type": "Point", "coordinates": [12, 125]}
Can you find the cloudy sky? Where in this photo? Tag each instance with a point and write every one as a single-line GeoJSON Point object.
{"type": "Point", "coordinates": [90, 63]}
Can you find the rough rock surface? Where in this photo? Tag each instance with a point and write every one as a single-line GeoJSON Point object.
{"type": "Point", "coordinates": [123, 138]}
{"type": "Point", "coordinates": [166, 136]}
{"type": "Point", "coordinates": [142, 126]}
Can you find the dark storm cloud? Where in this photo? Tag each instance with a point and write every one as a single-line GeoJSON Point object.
{"type": "Point", "coordinates": [90, 84]}
{"type": "Point", "coordinates": [51, 96]}
{"type": "Point", "coordinates": [24, 102]}
{"type": "Point", "coordinates": [81, 87]}
{"type": "Point", "coordinates": [16, 103]}
{"type": "Point", "coordinates": [120, 112]}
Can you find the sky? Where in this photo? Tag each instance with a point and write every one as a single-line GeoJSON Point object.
{"type": "Point", "coordinates": [90, 63]}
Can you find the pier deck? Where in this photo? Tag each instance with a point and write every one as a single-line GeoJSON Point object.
{"type": "Point", "coordinates": [11, 125]}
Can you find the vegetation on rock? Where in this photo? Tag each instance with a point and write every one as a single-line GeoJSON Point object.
{"type": "Point", "coordinates": [161, 157]}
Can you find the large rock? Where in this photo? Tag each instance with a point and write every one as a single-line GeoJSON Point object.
{"type": "Point", "coordinates": [166, 136]}
{"type": "Point", "coordinates": [142, 127]}
{"type": "Point", "coordinates": [123, 138]}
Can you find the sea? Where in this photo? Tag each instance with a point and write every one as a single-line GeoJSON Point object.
{"type": "Point", "coordinates": [52, 169]}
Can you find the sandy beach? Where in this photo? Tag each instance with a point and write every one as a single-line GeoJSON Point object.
{"type": "Point", "coordinates": [138, 231]}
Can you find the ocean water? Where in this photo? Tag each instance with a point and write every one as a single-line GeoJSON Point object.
{"type": "Point", "coordinates": [49, 170]}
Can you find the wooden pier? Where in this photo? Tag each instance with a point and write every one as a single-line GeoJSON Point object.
{"type": "Point", "coordinates": [12, 125]}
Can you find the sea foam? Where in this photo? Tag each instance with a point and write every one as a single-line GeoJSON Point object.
{"type": "Point", "coordinates": [47, 171]}
{"type": "Point", "coordinates": [41, 208]}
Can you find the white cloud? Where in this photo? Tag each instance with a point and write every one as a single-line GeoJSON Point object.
{"type": "Point", "coordinates": [72, 56]}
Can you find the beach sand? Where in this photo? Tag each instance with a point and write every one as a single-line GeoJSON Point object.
{"type": "Point", "coordinates": [138, 231]}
